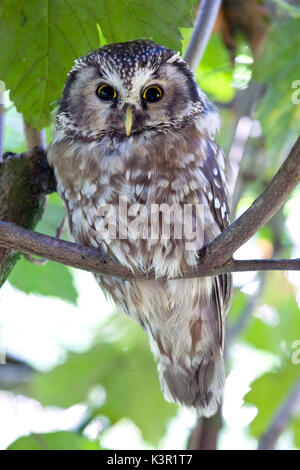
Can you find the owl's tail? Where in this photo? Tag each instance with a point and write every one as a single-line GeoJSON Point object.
{"type": "Point", "coordinates": [199, 387]}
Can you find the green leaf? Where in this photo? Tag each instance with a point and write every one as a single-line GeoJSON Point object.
{"type": "Point", "coordinates": [276, 337]}
{"type": "Point", "coordinates": [125, 368]}
{"type": "Point", "coordinates": [62, 440]}
{"type": "Point", "coordinates": [291, 9]}
{"type": "Point", "coordinates": [268, 393]}
{"type": "Point", "coordinates": [52, 279]}
{"type": "Point", "coordinates": [295, 426]}
{"type": "Point", "coordinates": [160, 20]}
{"type": "Point", "coordinates": [237, 306]}
{"type": "Point", "coordinates": [40, 40]}
{"type": "Point", "coordinates": [279, 68]}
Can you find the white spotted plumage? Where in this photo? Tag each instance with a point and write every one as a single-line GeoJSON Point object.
{"type": "Point", "coordinates": [170, 159]}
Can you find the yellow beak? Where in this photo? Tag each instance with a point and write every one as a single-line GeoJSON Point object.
{"type": "Point", "coordinates": [128, 121]}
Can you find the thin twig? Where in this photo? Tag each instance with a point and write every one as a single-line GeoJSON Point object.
{"type": "Point", "coordinates": [205, 21]}
{"type": "Point", "coordinates": [290, 406]}
{"type": "Point", "coordinates": [34, 138]}
{"type": "Point", "coordinates": [60, 228]}
{"type": "Point", "coordinates": [43, 261]}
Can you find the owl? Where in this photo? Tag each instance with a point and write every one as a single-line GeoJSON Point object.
{"type": "Point", "coordinates": [133, 127]}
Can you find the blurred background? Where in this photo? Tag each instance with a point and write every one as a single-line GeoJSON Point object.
{"type": "Point", "coordinates": [77, 374]}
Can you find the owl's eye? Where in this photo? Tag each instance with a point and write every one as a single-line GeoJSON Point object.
{"type": "Point", "coordinates": [106, 92]}
{"type": "Point", "coordinates": [153, 93]}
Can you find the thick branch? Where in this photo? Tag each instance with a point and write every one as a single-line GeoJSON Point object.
{"type": "Point", "coordinates": [204, 24]}
{"type": "Point", "coordinates": [205, 434]}
{"type": "Point", "coordinates": [91, 259]}
{"type": "Point", "coordinates": [216, 258]}
{"type": "Point", "coordinates": [25, 180]}
{"type": "Point", "coordinates": [281, 420]}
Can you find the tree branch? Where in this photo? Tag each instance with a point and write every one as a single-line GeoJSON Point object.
{"type": "Point", "coordinates": [25, 179]}
{"type": "Point", "coordinates": [281, 420]}
{"type": "Point", "coordinates": [91, 259]}
{"type": "Point", "coordinates": [261, 211]}
{"type": "Point", "coordinates": [205, 21]}
{"type": "Point", "coordinates": [205, 434]}
{"type": "Point", "coordinates": [216, 258]}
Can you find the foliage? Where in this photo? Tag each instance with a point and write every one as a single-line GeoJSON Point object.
{"type": "Point", "coordinates": [279, 110]}
{"type": "Point", "coordinates": [54, 441]}
{"type": "Point", "coordinates": [120, 361]}
{"type": "Point", "coordinates": [275, 334]}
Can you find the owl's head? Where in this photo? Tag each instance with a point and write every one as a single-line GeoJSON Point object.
{"type": "Point", "coordinates": [129, 89]}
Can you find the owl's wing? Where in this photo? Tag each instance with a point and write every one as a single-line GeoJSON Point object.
{"type": "Point", "coordinates": [215, 173]}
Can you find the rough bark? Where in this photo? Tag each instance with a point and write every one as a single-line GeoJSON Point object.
{"type": "Point", "coordinates": [25, 180]}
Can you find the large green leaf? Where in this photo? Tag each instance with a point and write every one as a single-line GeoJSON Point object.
{"type": "Point", "coordinates": [62, 440]}
{"type": "Point", "coordinates": [41, 38]}
{"type": "Point", "coordinates": [125, 368]}
{"type": "Point", "coordinates": [123, 20]}
{"type": "Point", "coordinates": [268, 393]}
{"type": "Point", "coordinates": [39, 41]}
{"type": "Point", "coordinates": [52, 279]}
{"type": "Point", "coordinates": [279, 68]}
